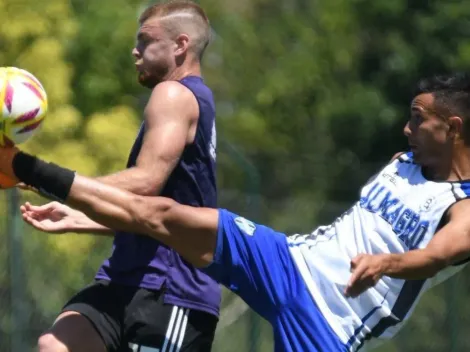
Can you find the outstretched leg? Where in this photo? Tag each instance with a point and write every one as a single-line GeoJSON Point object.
{"type": "Point", "coordinates": [252, 260]}
{"type": "Point", "coordinates": [191, 231]}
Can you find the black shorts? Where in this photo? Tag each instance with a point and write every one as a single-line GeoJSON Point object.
{"type": "Point", "coordinates": [129, 318]}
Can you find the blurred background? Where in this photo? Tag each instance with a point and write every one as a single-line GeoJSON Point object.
{"type": "Point", "coordinates": [311, 98]}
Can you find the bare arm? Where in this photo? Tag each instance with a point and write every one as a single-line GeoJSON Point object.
{"type": "Point", "coordinates": [191, 231]}
{"type": "Point", "coordinates": [450, 245]}
{"type": "Point", "coordinates": [170, 124]}
{"type": "Point", "coordinates": [413, 265]}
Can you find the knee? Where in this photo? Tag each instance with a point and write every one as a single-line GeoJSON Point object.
{"type": "Point", "coordinates": [49, 343]}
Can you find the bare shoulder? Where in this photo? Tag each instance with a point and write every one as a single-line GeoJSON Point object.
{"type": "Point", "coordinates": [172, 96]}
{"type": "Point", "coordinates": [458, 213]}
{"type": "Point", "coordinates": [172, 91]}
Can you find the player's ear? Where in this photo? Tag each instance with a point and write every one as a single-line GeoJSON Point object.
{"type": "Point", "coordinates": [182, 43]}
{"type": "Point", "coordinates": [455, 127]}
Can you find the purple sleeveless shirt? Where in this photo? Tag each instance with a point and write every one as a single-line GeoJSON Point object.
{"type": "Point", "coordinates": [144, 262]}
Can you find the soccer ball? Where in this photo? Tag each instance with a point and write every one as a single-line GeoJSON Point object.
{"type": "Point", "coordinates": [23, 104]}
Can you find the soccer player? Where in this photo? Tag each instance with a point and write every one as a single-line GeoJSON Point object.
{"type": "Point", "coordinates": [145, 294]}
{"type": "Point", "coordinates": [342, 285]}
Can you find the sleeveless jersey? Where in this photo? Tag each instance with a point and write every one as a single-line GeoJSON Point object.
{"type": "Point", "coordinates": [144, 262]}
{"type": "Point", "coordinates": [398, 210]}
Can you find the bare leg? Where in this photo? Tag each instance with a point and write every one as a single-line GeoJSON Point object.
{"type": "Point", "coordinates": [191, 231]}
{"type": "Point", "coordinates": [71, 332]}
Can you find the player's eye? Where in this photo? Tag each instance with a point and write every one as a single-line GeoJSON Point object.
{"type": "Point", "coordinates": [416, 116]}
{"type": "Point", "coordinates": [142, 41]}
{"type": "Point", "coordinates": [416, 119]}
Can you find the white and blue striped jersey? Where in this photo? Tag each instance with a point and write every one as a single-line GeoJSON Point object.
{"type": "Point", "coordinates": [398, 210]}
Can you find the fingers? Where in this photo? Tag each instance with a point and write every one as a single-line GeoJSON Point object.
{"type": "Point", "coordinates": [365, 274]}
{"type": "Point", "coordinates": [29, 219]}
{"type": "Point", "coordinates": [355, 262]}
{"type": "Point", "coordinates": [357, 288]}
{"type": "Point", "coordinates": [40, 209]}
{"type": "Point", "coordinates": [39, 223]}
{"type": "Point", "coordinates": [36, 213]}
{"type": "Point", "coordinates": [356, 283]}
{"type": "Point", "coordinates": [32, 215]}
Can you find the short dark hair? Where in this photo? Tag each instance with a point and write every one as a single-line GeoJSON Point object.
{"type": "Point", "coordinates": [451, 94]}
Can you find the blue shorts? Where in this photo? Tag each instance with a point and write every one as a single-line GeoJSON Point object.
{"type": "Point", "coordinates": [254, 262]}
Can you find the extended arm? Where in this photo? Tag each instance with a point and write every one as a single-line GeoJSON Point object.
{"type": "Point", "coordinates": [189, 230]}
{"type": "Point", "coordinates": [170, 124]}
{"type": "Point", "coordinates": [450, 245]}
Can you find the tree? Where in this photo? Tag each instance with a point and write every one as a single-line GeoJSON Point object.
{"type": "Point", "coordinates": [310, 95]}
{"type": "Point", "coordinates": [78, 133]}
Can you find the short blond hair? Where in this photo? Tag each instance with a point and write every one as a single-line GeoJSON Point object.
{"type": "Point", "coordinates": [182, 16]}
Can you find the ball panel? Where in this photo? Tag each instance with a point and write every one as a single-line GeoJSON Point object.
{"type": "Point", "coordinates": [8, 100]}
{"type": "Point", "coordinates": [21, 135]}
{"type": "Point", "coordinates": [36, 90]}
{"type": "Point", "coordinates": [23, 99]}
{"type": "Point", "coordinates": [3, 84]}
{"type": "Point", "coordinates": [23, 103]}
{"type": "Point", "coordinates": [34, 80]}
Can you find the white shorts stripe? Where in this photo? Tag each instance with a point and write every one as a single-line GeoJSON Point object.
{"type": "Point", "coordinates": [183, 330]}
{"type": "Point", "coordinates": [170, 328]}
{"type": "Point", "coordinates": [175, 334]}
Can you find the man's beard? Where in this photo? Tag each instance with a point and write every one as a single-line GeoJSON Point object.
{"type": "Point", "coordinates": [148, 80]}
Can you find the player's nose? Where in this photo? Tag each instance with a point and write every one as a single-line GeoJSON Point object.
{"type": "Point", "coordinates": [135, 53]}
{"type": "Point", "coordinates": [407, 130]}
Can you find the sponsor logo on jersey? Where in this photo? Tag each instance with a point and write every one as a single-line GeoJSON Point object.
{"type": "Point", "coordinates": [391, 178]}
{"type": "Point", "coordinates": [427, 204]}
{"type": "Point", "coordinates": [245, 225]}
{"type": "Point", "coordinates": [405, 222]}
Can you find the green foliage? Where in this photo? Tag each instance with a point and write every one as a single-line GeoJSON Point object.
{"type": "Point", "coordinates": [312, 95]}
{"type": "Point", "coordinates": [85, 130]}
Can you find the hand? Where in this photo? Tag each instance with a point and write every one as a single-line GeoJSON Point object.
{"type": "Point", "coordinates": [52, 217]}
{"type": "Point", "coordinates": [366, 271]}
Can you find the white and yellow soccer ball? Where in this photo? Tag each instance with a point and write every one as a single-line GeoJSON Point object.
{"type": "Point", "coordinates": [23, 102]}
